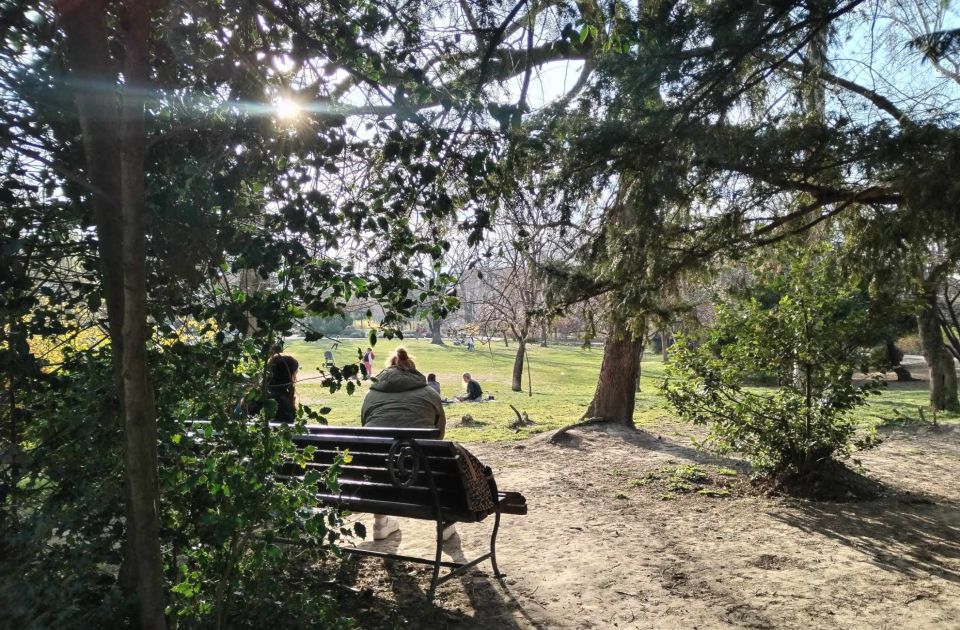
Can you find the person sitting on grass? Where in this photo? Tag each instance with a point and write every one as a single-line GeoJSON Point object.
{"type": "Point", "coordinates": [474, 392]}
{"type": "Point", "coordinates": [432, 382]}
{"type": "Point", "coordinates": [401, 399]}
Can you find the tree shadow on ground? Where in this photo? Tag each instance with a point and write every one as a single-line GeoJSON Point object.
{"type": "Point", "coordinates": [652, 442]}
{"type": "Point", "coordinates": [896, 534]}
{"type": "Point", "coordinates": [481, 591]}
{"type": "Point", "coordinates": [486, 605]}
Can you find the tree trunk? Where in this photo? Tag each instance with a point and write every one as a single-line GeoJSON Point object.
{"type": "Point", "coordinates": [665, 344]}
{"type": "Point", "coordinates": [139, 408]}
{"type": "Point", "coordinates": [90, 65]}
{"type": "Point", "coordinates": [616, 391]}
{"type": "Point", "coordinates": [436, 325]}
{"type": "Point", "coordinates": [543, 334]}
{"type": "Point", "coordinates": [943, 374]}
{"type": "Point", "coordinates": [517, 382]}
{"type": "Point", "coordinates": [950, 321]}
{"type": "Point", "coordinates": [643, 348]}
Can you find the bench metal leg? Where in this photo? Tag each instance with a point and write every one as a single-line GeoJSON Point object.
{"type": "Point", "coordinates": [436, 563]}
{"type": "Point", "coordinates": [493, 545]}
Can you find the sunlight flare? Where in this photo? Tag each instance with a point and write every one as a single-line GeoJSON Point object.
{"type": "Point", "coordinates": [287, 109]}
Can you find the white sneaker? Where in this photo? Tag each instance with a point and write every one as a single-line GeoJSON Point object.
{"type": "Point", "coordinates": [383, 527]}
{"type": "Point", "coordinates": [448, 532]}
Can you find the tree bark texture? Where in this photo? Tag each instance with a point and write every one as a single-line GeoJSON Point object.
{"type": "Point", "coordinates": [616, 392]}
{"type": "Point", "coordinates": [90, 65]}
{"type": "Point", "coordinates": [114, 144]}
{"type": "Point", "coordinates": [139, 407]}
{"type": "Point", "coordinates": [943, 374]}
{"type": "Point", "coordinates": [436, 338]}
{"type": "Point", "coordinates": [516, 383]}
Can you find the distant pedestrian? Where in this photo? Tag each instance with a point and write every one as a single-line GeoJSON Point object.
{"type": "Point", "coordinates": [367, 362]}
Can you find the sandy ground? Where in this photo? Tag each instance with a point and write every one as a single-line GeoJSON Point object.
{"type": "Point", "coordinates": [600, 550]}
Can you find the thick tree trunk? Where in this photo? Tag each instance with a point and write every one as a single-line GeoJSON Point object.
{"type": "Point", "coordinates": [543, 334]}
{"type": "Point", "coordinates": [943, 374]}
{"type": "Point", "coordinates": [951, 322]}
{"type": "Point", "coordinates": [616, 391]}
{"type": "Point", "coordinates": [665, 344]}
{"type": "Point", "coordinates": [90, 66]}
{"type": "Point", "coordinates": [436, 325]}
{"type": "Point", "coordinates": [517, 382]}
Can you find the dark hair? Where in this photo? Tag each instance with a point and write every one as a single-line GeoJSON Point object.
{"type": "Point", "coordinates": [283, 374]}
{"type": "Point", "coordinates": [282, 386]}
{"type": "Point", "coordinates": [401, 359]}
{"type": "Point", "coordinates": [431, 376]}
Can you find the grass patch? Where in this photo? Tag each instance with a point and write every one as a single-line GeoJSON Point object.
{"type": "Point", "coordinates": [645, 480]}
{"type": "Point", "coordinates": [674, 482]}
{"type": "Point", "coordinates": [563, 377]}
{"type": "Point", "coordinates": [691, 473]}
{"type": "Point", "coordinates": [714, 492]}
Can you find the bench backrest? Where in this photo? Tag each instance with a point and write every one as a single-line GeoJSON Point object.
{"type": "Point", "coordinates": [390, 471]}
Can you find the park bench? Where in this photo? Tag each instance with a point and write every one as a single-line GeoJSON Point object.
{"type": "Point", "coordinates": [407, 473]}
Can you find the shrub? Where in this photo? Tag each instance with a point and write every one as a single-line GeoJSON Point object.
{"type": "Point", "coordinates": [807, 338]}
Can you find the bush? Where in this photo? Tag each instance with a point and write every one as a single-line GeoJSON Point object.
{"type": "Point", "coordinates": [807, 339]}
{"type": "Point", "coordinates": [224, 512]}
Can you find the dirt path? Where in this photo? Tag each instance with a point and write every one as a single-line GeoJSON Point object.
{"type": "Point", "coordinates": [614, 547]}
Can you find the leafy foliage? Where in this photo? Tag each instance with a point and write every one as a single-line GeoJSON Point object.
{"type": "Point", "coordinates": [253, 225]}
{"type": "Point", "coordinates": [803, 328]}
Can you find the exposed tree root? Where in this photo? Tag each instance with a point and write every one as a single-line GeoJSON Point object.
{"type": "Point", "coordinates": [581, 424]}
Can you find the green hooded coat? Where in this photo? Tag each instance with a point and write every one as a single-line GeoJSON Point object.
{"type": "Point", "coordinates": [400, 399]}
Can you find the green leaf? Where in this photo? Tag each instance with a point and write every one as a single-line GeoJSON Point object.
{"type": "Point", "coordinates": [584, 33]}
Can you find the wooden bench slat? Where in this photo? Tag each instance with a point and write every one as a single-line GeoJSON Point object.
{"type": "Point", "coordinates": [373, 473]}
{"type": "Point", "coordinates": [394, 508]}
{"type": "Point", "coordinates": [449, 496]}
{"type": "Point", "coordinates": [417, 433]}
{"type": "Point", "coordinates": [366, 452]}
{"type": "Point", "coordinates": [439, 465]}
{"type": "Point", "coordinates": [347, 441]}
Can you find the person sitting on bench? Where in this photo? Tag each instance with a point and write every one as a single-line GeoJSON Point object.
{"type": "Point", "coordinates": [281, 386]}
{"type": "Point", "coordinates": [399, 399]}
{"type": "Point", "coordinates": [474, 392]}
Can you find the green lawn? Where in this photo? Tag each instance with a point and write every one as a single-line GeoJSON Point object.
{"type": "Point", "coordinates": [563, 382]}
